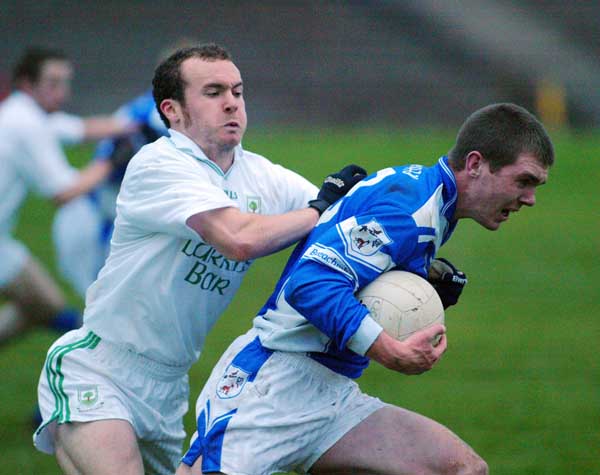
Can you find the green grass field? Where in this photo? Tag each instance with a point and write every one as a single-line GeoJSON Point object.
{"type": "Point", "coordinates": [520, 381]}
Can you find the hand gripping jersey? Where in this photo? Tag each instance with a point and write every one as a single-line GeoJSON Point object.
{"type": "Point", "coordinates": [396, 218]}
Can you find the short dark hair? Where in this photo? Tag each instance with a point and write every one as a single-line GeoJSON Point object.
{"type": "Point", "coordinates": [168, 83]}
{"type": "Point", "coordinates": [501, 133]}
{"type": "Point", "coordinates": [29, 66]}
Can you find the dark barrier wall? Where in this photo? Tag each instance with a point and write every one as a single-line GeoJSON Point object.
{"type": "Point", "coordinates": [306, 62]}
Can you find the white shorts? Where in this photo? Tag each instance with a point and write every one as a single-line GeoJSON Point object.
{"type": "Point", "coordinates": [87, 379]}
{"type": "Point", "coordinates": [263, 412]}
{"type": "Point", "coordinates": [13, 256]}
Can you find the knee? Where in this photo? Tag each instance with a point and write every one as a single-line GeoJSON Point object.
{"type": "Point", "coordinates": [482, 467]}
{"type": "Point", "coordinates": [474, 466]}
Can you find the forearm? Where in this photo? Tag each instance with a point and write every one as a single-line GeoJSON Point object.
{"type": "Point", "coordinates": [88, 179]}
{"type": "Point", "coordinates": [99, 127]}
{"type": "Point", "coordinates": [242, 236]}
{"type": "Point", "coordinates": [325, 297]}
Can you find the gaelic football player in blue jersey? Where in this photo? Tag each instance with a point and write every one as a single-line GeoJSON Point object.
{"type": "Point", "coordinates": [284, 398]}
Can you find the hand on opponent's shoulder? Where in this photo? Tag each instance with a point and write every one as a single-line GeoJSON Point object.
{"type": "Point", "coordinates": [337, 185]}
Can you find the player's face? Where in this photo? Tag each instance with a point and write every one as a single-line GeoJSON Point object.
{"type": "Point", "coordinates": [500, 193]}
{"type": "Point", "coordinates": [214, 113]}
{"type": "Point", "coordinates": [53, 87]}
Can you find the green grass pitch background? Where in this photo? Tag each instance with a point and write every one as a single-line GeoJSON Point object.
{"type": "Point", "coordinates": [520, 381]}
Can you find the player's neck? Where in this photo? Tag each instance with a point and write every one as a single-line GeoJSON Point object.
{"type": "Point", "coordinates": [222, 157]}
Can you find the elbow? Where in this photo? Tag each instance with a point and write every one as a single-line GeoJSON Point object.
{"type": "Point", "coordinates": [294, 290]}
{"type": "Point", "coordinates": [61, 199]}
{"type": "Point", "coordinates": [240, 251]}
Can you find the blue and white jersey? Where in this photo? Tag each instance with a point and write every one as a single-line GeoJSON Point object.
{"type": "Point", "coordinates": [396, 218]}
{"type": "Point", "coordinates": [141, 110]}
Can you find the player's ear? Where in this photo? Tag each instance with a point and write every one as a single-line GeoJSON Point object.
{"type": "Point", "coordinates": [172, 110]}
{"type": "Point", "coordinates": [473, 163]}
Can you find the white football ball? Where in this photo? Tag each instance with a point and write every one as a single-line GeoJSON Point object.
{"type": "Point", "coordinates": [402, 303]}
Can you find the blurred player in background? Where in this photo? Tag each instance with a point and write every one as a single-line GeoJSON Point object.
{"type": "Point", "coordinates": [82, 229]}
{"type": "Point", "coordinates": [32, 129]}
{"type": "Point", "coordinates": [283, 397]}
{"type": "Point", "coordinates": [194, 210]}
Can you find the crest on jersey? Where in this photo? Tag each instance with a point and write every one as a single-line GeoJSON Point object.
{"type": "Point", "coordinates": [366, 239]}
{"type": "Point", "coordinates": [232, 382]}
{"type": "Point", "coordinates": [253, 204]}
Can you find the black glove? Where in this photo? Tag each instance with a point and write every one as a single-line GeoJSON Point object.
{"type": "Point", "coordinates": [447, 280]}
{"type": "Point", "coordinates": [123, 150]}
{"type": "Point", "coordinates": [128, 145]}
{"type": "Point", "coordinates": [337, 185]}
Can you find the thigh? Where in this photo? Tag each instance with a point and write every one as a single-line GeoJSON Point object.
{"type": "Point", "coordinates": [87, 380]}
{"type": "Point", "coordinates": [13, 255]}
{"type": "Point", "coordinates": [195, 469]}
{"type": "Point", "coordinates": [397, 441]}
{"type": "Point", "coordinates": [35, 292]}
{"type": "Point", "coordinates": [98, 448]}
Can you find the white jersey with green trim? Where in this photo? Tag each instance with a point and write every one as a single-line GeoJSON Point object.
{"type": "Point", "coordinates": [162, 287]}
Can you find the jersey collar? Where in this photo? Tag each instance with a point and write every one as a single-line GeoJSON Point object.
{"type": "Point", "coordinates": [186, 145]}
{"type": "Point", "coordinates": [449, 193]}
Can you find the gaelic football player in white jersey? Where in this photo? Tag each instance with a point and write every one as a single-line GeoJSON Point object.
{"type": "Point", "coordinates": [193, 212]}
{"type": "Point", "coordinates": [32, 128]}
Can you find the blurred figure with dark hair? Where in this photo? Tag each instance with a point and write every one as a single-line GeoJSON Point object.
{"type": "Point", "coordinates": [32, 128]}
{"type": "Point", "coordinates": [82, 229]}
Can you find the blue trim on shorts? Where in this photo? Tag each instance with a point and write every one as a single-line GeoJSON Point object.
{"type": "Point", "coordinates": [214, 443]}
{"type": "Point", "coordinates": [197, 446]}
{"type": "Point", "coordinates": [251, 358]}
{"type": "Point", "coordinates": [211, 440]}
{"type": "Point", "coordinates": [211, 432]}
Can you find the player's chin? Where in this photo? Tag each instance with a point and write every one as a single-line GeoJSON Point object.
{"type": "Point", "coordinates": [490, 224]}
{"type": "Point", "coordinates": [231, 139]}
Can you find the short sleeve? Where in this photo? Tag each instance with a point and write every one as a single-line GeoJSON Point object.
{"type": "Point", "coordinates": [294, 191]}
{"type": "Point", "coordinates": [45, 166]}
{"type": "Point", "coordinates": [300, 190]}
{"type": "Point", "coordinates": [161, 198]}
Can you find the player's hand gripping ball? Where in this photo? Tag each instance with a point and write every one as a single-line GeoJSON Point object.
{"type": "Point", "coordinates": [337, 185]}
{"type": "Point", "coordinates": [402, 303]}
{"type": "Point", "coordinates": [447, 280]}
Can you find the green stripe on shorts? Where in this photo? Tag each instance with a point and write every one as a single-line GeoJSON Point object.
{"type": "Point", "coordinates": [56, 378]}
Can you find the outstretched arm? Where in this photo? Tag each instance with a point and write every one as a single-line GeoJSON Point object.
{"type": "Point", "coordinates": [242, 236]}
{"type": "Point", "coordinates": [88, 179]}
{"type": "Point", "coordinates": [99, 127]}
